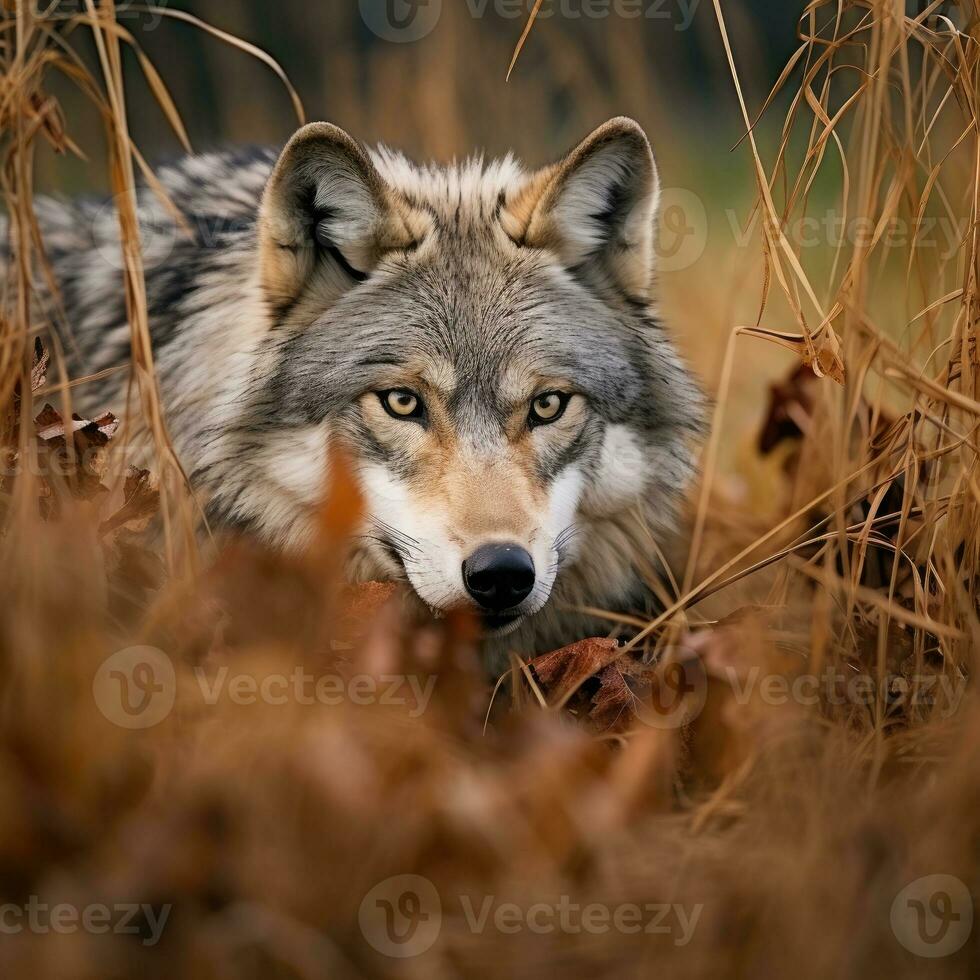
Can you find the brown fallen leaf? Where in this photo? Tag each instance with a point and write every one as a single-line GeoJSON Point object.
{"type": "Point", "coordinates": [612, 693]}
{"type": "Point", "coordinates": [563, 671]}
{"type": "Point", "coordinates": [51, 426]}
{"type": "Point", "coordinates": [80, 470]}
{"type": "Point", "coordinates": [141, 497]}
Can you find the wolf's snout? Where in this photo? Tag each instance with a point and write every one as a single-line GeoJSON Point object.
{"type": "Point", "coordinates": [499, 576]}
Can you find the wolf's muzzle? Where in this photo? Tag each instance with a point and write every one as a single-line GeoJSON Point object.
{"type": "Point", "coordinates": [499, 576]}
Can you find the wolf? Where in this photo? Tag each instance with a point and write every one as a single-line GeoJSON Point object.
{"type": "Point", "coordinates": [481, 338]}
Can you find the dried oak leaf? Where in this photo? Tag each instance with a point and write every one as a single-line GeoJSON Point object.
{"type": "Point", "coordinates": [80, 469]}
{"type": "Point", "coordinates": [85, 467]}
{"type": "Point", "coordinates": [141, 503]}
{"type": "Point", "coordinates": [564, 671]}
{"type": "Point", "coordinates": [93, 432]}
{"type": "Point", "coordinates": [596, 685]}
{"type": "Point", "coordinates": [614, 701]}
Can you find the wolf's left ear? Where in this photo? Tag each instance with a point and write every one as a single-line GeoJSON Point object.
{"type": "Point", "coordinates": [597, 205]}
{"type": "Point", "coordinates": [327, 217]}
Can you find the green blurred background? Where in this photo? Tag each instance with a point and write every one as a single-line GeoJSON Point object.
{"type": "Point", "coordinates": [429, 75]}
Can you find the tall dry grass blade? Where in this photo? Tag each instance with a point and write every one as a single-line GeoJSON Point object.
{"type": "Point", "coordinates": [524, 36]}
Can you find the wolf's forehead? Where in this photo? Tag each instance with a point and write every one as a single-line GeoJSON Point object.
{"type": "Point", "coordinates": [495, 339]}
{"type": "Point", "coordinates": [471, 352]}
{"type": "Point", "coordinates": [470, 317]}
{"type": "Point", "coordinates": [460, 195]}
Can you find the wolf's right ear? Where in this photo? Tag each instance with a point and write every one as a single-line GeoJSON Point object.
{"type": "Point", "coordinates": [595, 208]}
{"type": "Point", "coordinates": [327, 217]}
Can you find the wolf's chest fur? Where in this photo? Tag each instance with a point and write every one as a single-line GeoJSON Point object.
{"type": "Point", "coordinates": [480, 338]}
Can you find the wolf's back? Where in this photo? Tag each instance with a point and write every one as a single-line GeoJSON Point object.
{"type": "Point", "coordinates": [201, 231]}
{"type": "Point", "coordinates": [206, 316]}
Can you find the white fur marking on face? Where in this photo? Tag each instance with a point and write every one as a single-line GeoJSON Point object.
{"type": "Point", "coordinates": [563, 504]}
{"type": "Point", "coordinates": [434, 561]}
{"type": "Point", "coordinates": [621, 474]}
{"type": "Point", "coordinates": [434, 564]}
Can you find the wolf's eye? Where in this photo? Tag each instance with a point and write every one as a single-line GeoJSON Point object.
{"type": "Point", "coordinates": [401, 404]}
{"type": "Point", "coordinates": [549, 407]}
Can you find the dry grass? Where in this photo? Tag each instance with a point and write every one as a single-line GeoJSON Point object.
{"type": "Point", "coordinates": [792, 826]}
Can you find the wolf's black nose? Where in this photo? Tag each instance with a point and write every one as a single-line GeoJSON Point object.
{"type": "Point", "coordinates": [499, 576]}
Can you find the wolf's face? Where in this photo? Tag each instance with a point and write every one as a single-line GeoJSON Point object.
{"type": "Point", "coordinates": [479, 339]}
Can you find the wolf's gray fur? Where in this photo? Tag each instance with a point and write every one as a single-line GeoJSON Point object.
{"type": "Point", "coordinates": [306, 284]}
